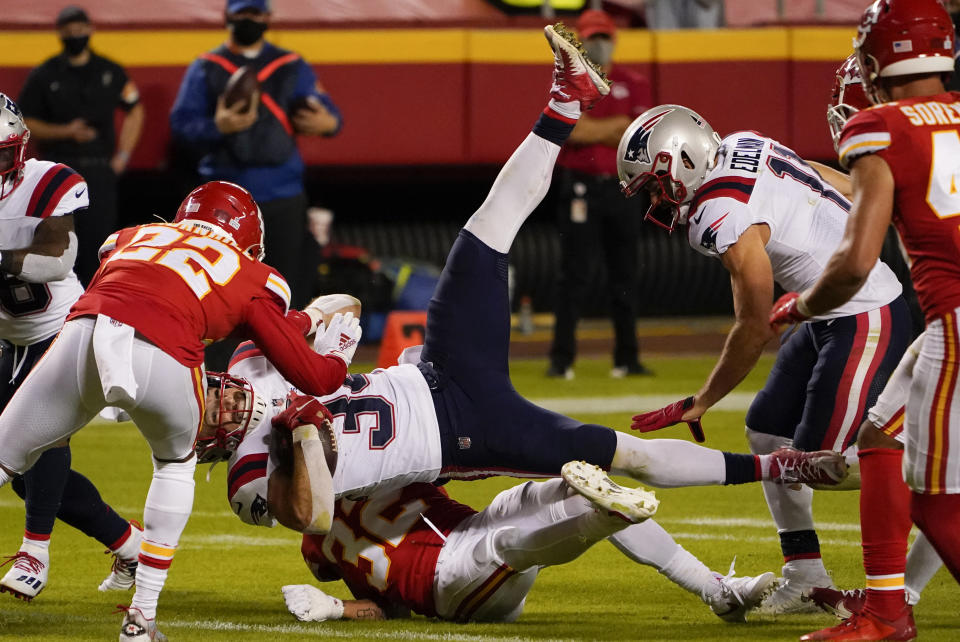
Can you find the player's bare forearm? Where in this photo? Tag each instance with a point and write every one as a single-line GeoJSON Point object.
{"type": "Point", "coordinates": [742, 349]}
{"type": "Point", "coordinates": [851, 263]}
{"type": "Point", "coordinates": [751, 278]}
{"type": "Point", "coordinates": [837, 179]}
{"type": "Point", "coordinates": [50, 239]}
{"type": "Point", "coordinates": [362, 610]}
{"type": "Point", "coordinates": [289, 497]}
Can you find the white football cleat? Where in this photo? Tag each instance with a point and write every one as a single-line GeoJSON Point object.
{"type": "Point", "coordinates": [740, 595]}
{"type": "Point", "coordinates": [137, 628]}
{"type": "Point", "coordinates": [28, 575]}
{"type": "Point", "coordinates": [633, 504]}
{"type": "Point", "coordinates": [799, 578]}
{"type": "Point", "coordinates": [123, 572]}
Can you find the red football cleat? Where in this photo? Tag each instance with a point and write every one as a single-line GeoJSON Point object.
{"type": "Point", "coordinates": [575, 76]}
{"type": "Point", "coordinates": [843, 604]}
{"type": "Point", "coordinates": [864, 626]}
{"type": "Point", "coordinates": [791, 466]}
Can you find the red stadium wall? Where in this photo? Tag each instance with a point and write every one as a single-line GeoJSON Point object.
{"type": "Point", "coordinates": [465, 96]}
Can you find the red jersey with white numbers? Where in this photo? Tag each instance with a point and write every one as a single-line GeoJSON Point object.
{"type": "Point", "coordinates": [384, 549]}
{"type": "Point", "coordinates": [179, 286]}
{"type": "Point", "coordinates": [919, 138]}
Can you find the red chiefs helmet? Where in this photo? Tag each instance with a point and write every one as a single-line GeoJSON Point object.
{"type": "Point", "coordinates": [902, 37]}
{"type": "Point", "coordinates": [847, 98]}
{"type": "Point", "coordinates": [228, 209]}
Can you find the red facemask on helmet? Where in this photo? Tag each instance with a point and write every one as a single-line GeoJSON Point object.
{"type": "Point", "coordinates": [847, 98]}
{"type": "Point", "coordinates": [238, 409]}
{"type": "Point", "coordinates": [13, 146]}
{"type": "Point", "coordinates": [901, 38]}
{"type": "Point", "coordinates": [230, 210]}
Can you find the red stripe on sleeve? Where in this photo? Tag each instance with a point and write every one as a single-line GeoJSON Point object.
{"type": "Point", "coordinates": [42, 185]}
{"type": "Point", "coordinates": [71, 181]}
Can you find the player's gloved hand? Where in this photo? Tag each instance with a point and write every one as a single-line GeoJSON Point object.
{"type": "Point", "coordinates": [668, 416]}
{"type": "Point", "coordinates": [310, 604]}
{"type": "Point", "coordinates": [788, 309]}
{"type": "Point", "coordinates": [340, 337]}
{"type": "Point", "coordinates": [302, 410]}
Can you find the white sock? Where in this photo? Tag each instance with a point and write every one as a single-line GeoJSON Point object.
{"type": "Point", "coordinates": [923, 562]}
{"type": "Point", "coordinates": [689, 573]}
{"type": "Point", "coordinates": [519, 188]}
{"type": "Point", "coordinates": [36, 546]}
{"type": "Point", "coordinates": [646, 543]}
{"type": "Point", "coordinates": [792, 510]}
{"type": "Point", "coordinates": [131, 546]}
{"type": "Point", "coordinates": [568, 110]}
{"type": "Point", "coordinates": [667, 463]}
{"type": "Point", "coordinates": [165, 515]}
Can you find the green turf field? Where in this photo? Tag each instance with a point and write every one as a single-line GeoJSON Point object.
{"type": "Point", "coordinates": [225, 582]}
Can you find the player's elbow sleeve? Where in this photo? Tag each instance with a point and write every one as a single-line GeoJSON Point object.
{"type": "Point", "coordinates": [40, 268]}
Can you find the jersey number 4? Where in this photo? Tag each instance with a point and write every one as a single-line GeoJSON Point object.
{"type": "Point", "coordinates": [198, 260]}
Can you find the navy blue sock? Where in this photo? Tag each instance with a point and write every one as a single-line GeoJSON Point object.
{"type": "Point", "coordinates": [550, 127]}
{"type": "Point", "coordinates": [43, 485]}
{"type": "Point", "coordinates": [741, 469]}
{"type": "Point", "coordinates": [799, 545]}
{"type": "Point", "coordinates": [85, 510]}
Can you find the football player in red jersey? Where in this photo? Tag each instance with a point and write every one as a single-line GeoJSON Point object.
{"type": "Point", "coordinates": [135, 340]}
{"type": "Point", "coordinates": [903, 155]}
{"type": "Point", "coordinates": [415, 549]}
{"type": "Point", "coordinates": [38, 201]}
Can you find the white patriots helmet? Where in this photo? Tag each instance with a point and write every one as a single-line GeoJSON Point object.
{"type": "Point", "coordinates": [13, 146]}
{"type": "Point", "coordinates": [232, 424]}
{"type": "Point", "coordinates": [666, 151]}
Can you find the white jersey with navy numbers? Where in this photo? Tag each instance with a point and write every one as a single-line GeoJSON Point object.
{"type": "Point", "coordinates": [31, 312]}
{"type": "Point", "coordinates": [385, 423]}
{"type": "Point", "coordinates": [758, 180]}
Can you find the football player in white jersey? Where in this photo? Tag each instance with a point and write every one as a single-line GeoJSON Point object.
{"type": "Point", "coordinates": [37, 288]}
{"type": "Point", "coordinates": [450, 411]}
{"type": "Point", "coordinates": [769, 217]}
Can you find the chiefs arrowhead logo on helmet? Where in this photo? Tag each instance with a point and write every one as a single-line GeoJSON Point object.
{"type": "Point", "coordinates": [228, 209]}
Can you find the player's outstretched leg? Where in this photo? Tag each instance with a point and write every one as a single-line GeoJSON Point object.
{"type": "Point", "coordinates": [729, 596]}
{"type": "Point", "coordinates": [524, 180]}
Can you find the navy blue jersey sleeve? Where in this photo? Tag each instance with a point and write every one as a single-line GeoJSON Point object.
{"type": "Point", "coordinates": [307, 85]}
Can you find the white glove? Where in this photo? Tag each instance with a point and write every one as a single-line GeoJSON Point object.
{"type": "Point", "coordinates": [310, 604]}
{"type": "Point", "coordinates": [340, 337]}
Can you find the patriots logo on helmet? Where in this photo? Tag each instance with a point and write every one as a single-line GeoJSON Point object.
{"type": "Point", "coordinates": [12, 106]}
{"type": "Point", "coordinates": [637, 149]}
{"type": "Point", "coordinates": [258, 509]}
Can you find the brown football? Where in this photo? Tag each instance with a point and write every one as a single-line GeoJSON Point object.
{"type": "Point", "coordinates": [281, 448]}
{"type": "Point", "coordinates": [240, 88]}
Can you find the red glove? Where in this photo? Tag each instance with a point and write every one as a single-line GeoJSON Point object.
{"type": "Point", "coordinates": [302, 410]}
{"type": "Point", "coordinates": [785, 310]}
{"type": "Point", "coordinates": [668, 416]}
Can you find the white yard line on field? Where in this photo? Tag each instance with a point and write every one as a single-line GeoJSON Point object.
{"type": "Point", "coordinates": [754, 523]}
{"type": "Point", "coordinates": [741, 538]}
{"type": "Point", "coordinates": [737, 401]}
{"type": "Point", "coordinates": [325, 631]}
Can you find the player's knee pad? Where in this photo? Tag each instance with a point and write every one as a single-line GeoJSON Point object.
{"type": "Point", "coordinates": [762, 443]}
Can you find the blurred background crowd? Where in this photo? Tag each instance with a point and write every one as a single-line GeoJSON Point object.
{"type": "Point", "coordinates": [378, 127]}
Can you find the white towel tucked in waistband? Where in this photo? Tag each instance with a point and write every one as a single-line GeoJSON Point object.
{"type": "Point", "coordinates": [113, 351]}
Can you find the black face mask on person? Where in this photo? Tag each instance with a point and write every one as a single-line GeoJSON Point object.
{"type": "Point", "coordinates": [246, 31]}
{"type": "Point", "coordinates": [74, 45]}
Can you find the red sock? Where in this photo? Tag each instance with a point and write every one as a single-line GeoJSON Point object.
{"type": "Point", "coordinates": [884, 526]}
{"type": "Point", "coordinates": [938, 516]}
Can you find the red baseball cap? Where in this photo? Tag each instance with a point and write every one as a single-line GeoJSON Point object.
{"type": "Point", "coordinates": [594, 21]}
